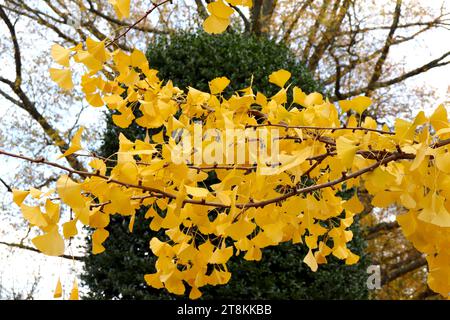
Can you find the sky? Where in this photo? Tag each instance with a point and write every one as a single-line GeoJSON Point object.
{"type": "Point", "coordinates": [17, 267]}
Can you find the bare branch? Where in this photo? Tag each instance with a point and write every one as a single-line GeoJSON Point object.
{"type": "Point", "coordinates": [385, 50]}
{"type": "Point", "coordinates": [404, 267]}
{"type": "Point", "coordinates": [380, 228]}
{"type": "Point", "coordinates": [24, 247]}
{"type": "Point", "coordinates": [382, 84]}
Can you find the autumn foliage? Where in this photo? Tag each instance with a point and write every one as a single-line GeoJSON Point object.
{"type": "Point", "coordinates": [323, 149]}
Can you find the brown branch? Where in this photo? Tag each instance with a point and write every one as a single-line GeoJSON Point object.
{"type": "Point", "coordinates": [123, 23]}
{"type": "Point", "coordinates": [17, 59]}
{"type": "Point", "coordinates": [7, 186]}
{"type": "Point", "coordinates": [312, 36]}
{"type": "Point", "coordinates": [385, 50]}
{"type": "Point", "coordinates": [374, 231]}
{"type": "Point", "coordinates": [399, 155]}
{"type": "Point", "coordinates": [437, 22]}
{"type": "Point", "coordinates": [25, 103]}
{"type": "Point", "coordinates": [123, 34]}
{"type": "Point", "coordinates": [246, 22]}
{"type": "Point", "coordinates": [299, 14]}
{"type": "Point", "coordinates": [377, 85]}
{"type": "Point", "coordinates": [37, 18]}
{"type": "Point", "coordinates": [24, 247]}
{"type": "Point", "coordinates": [405, 267]}
{"type": "Point", "coordinates": [329, 34]}
{"type": "Point", "coordinates": [201, 10]}
{"type": "Point", "coordinates": [320, 128]}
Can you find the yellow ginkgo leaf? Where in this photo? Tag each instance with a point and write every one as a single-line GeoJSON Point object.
{"type": "Point", "coordinates": [121, 7]}
{"type": "Point", "coordinates": [353, 205]}
{"type": "Point", "coordinates": [51, 243]}
{"type": "Point", "coordinates": [92, 63]}
{"type": "Point", "coordinates": [138, 59]}
{"type": "Point", "coordinates": [70, 192]}
{"type": "Point", "coordinates": [131, 225]}
{"type": "Point", "coordinates": [33, 215]}
{"type": "Point", "coordinates": [58, 290]}
{"type": "Point", "coordinates": [213, 25]}
{"type": "Point", "coordinates": [359, 104]}
{"type": "Point", "coordinates": [74, 293]}
{"type": "Point", "coordinates": [63, 77]}
{"type": "Point", "coordinates": [434, 211]}
{"type": "Point", "coordinates": [351, 259]}
{"type": "Point", "coordinates": [174, 285]}
{"type": "Point", "coordinates": [19, 196]}
{"type": "Point", "coordinates": [75, 144]}
{"type": "Point", "coordinates": [345, 151]}
{"type": "Point", "coordinates": [220, 10]}
{"type": "Point", "coordinates": [98, 237]}
{"type": "Point", "coordinates": [346, 105]}
{"type": "Point", "coordinates": [443, 161]}
{"type": "Point", "coordinates": [97, 49]}
{"type": "Point", "coordinates": [299, 96]}
{"type": "Point", "coordinates": [280, 77]}
{"type": "Point", "coordinates": [70, 229]}
{"type": "Point", "coordinates": [195, 293]}
{"type": "Point", "coordinates": [61, 55]}
{"type": "Point", "coordinates": [217, 85]}
{"type": "Point", "coordinates": [197, 192]}
{"type": "Point", "coordinates": [313, 99]}
{"type": "Point", "coordinates": [439, 118]}
{"type": "Point", "coordinates": [153, 280]}
{"type": "Point", "coordinates": [95, 100]}
{"type": "Point", "coordinates": [52, 211]}
{"type": "Point", "coordinates": [220, 256]}
{"type": "Point", "coordinates": [124, 119]}
{"type": "Point", "coordinates": [240, 229]}
{"type": "Point", "coordinates": [310, 260]}
{"type": "Point", "coordinates": [35, 193]}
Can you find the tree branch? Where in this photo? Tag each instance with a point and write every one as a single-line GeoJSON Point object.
{"type": "Point", "coordinates": [375, 231]}
{"type": "Point", "coordinates": [405, 267]}
{"type": "Point", "coordinates": [382, 84]}
{"type": "Point", "coordinates": [385, 50]}
{"type": "Point", "coordinates": [398, 155]}
{"type": "Point", "coordinates": [24, 247]}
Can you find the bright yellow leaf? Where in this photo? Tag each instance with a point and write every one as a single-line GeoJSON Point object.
{"type": "Point", "coordinates": [280, 77]}
{"type": "Point", "coordinates": [217, 85]}
{"type": "Point", "coordinates": [74, 293]}
{"type": "Point", "coordinates": [58, 290]}
{"type": "Point", "coordinates": [310, 260]}
{"type": "Point", "coordinates": [51, 243]}
{"type": "Point", "coordinates": [98, 237]}
{"type": "Point", "coordinates": [61, 55]}
{"type": "Point", "coordinates": [346, 151]}
{"type": "Point", "coordinates": [19, 196]}
{"type": "Point", "coordinates": [75, 144]}
{"type": "Point", "coordinates": [121, 7]}
{"type": "Point", "coordinates": [70, 229]}
{"type": "Point", "coordinates": [197, 192]}
{"type": "Point", "coordinates": [33, 215]}
{"type": "Point", "coordinates": [63, 77]}
{"type": "Point", "coordinates": [213, 25]}
{"type": "Point", "coordinates": [443, 161]}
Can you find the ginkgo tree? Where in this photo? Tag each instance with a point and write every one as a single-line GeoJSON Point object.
{"type": "Point", "coordinates": [280, 175]}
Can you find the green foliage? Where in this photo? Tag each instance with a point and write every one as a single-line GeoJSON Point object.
{"type": "Point", "coordinates": [193, 60]}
